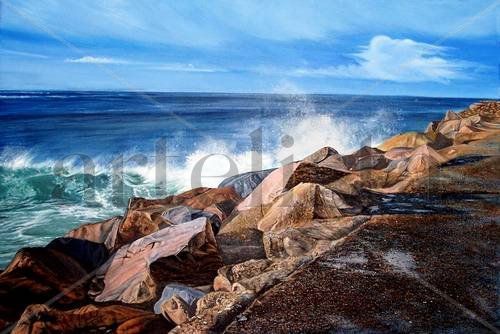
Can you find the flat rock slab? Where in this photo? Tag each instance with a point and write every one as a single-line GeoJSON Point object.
{"type": "Point", "coordinates": [398, 273]}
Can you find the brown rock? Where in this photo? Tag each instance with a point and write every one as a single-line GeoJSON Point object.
{"type": "Point", "coordinates": [42, 319]}
{"type": "Point", "coordinates": [101, 232]}
{"type": "Point", "coordinates": [176, 310]}
{"type": "Point", "coordinates": [311, 240]}
{"type": "Point", "coordinates": [36, 275]}
{"type": "Point", "coordinates": [240, 243]}
{"type": "Point", "coordinates": [285, 178]}
{"type": "Point", "coordinates": [408, 139]}
{"type": "Point", "coordinates": [320, 155]}
{"type": "Point", "coordinates": [215, 311]}
{"type": "Point", "coordinates": [137, 271]}
{"type": "Point", "coordinates": [365, 158]}
{"type": "Point", "coordinates": [300, 205]}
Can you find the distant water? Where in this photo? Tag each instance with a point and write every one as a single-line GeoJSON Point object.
{"type": "Point", "coordinates": [46, 138]}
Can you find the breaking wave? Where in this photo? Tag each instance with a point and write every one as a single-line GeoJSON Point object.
{"type": "Point", "coordinates": [24, 176]}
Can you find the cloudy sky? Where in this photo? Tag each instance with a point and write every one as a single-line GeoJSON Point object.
{"type": "Point", "coordinates": [424, 48]}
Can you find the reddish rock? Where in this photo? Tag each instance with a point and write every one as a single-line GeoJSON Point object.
{"type": "Point", "coordinates": [185, 253]}
{"type": "Point", "coordinates": [408, 139]}
{"type": "Point", "coordinates": [39, 319]}
{"type": "Point", "coordinates": [36, 275]}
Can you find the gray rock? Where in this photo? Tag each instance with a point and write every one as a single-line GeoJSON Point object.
{"type": "Point", "coordinates": [245, 183]}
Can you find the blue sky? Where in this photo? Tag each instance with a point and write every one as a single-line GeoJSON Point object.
{"type": "Point", "coordinates": [426, 48]}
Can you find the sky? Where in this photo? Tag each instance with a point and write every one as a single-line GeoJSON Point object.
{"type": "Point", "coordinates": [420, 48]}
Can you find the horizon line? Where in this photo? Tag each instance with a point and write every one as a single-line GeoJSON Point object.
{"type": "Point", "coordinates": [238, 93]}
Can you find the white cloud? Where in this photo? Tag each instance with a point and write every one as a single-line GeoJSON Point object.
{"type": "Point", "coordinates": [180, 67]}
{"type": "Point", "coordinates": [400, 60]}
{"type": "Point", "coordinates": [22, 54]}
{"type": "Point", "coordinates": [96, 60]}
{"type": "Point", "coordinates": [169, 67]}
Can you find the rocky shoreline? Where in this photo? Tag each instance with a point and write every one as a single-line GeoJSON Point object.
{"type": "Point", "coordinates": [399, 238]}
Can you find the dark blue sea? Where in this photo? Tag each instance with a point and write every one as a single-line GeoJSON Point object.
{"type": "Point", "coordinates": [69, 157]}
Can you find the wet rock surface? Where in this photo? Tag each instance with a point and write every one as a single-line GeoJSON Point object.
{"type": "Point", "coordinates": [399, 238]}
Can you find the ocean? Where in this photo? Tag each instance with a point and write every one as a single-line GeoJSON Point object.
{"type": "Point", "coordinates": [68, 157]}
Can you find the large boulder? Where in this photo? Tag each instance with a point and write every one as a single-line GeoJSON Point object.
{"type": "Point", "coordinates": [423, 159]}
{"type": "Point", "coordinates": [285, 178]}
{"type": "Point", "coordinates": [37, 275]}
{"type": "Point", "coordinates": [300, 205]}
{"type": "Point", "coordinates": [146, 216]}
{"type": "Point", "coordinates": [132, 277]}
{"type": "Point", "coordinates": [198, 198]}
{"type": "Point", "coordinates": [245, 183]}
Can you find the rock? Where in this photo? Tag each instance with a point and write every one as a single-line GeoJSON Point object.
{"type": "Point", "coordinates": [430, 130]}
{"type": "Point", "coordinates": [320, 155]}
{"type": "Point", "coordinates": [483, 147]}
{"type": "Point", "coordinates": [398, 153]}
{"type": "Point", "coordinates": [176, 310]}
{"type": "Point", "coordinates": [36, 275]}
{"type": "Point", "coordinates": [451, 115]}
{"type": "Point", "coordinates": [144, 216]}
{"type": "Point", "coordinates": [137, 224]}
{"type": "Point", "coordinates": [198, 198]}
{"type": "Point", "coordinates": [285, 178]}
{"type": "Point", "coordinates": [228, 275]}
{"type": "Point", "coordinates": [408, 139]}
{"type": "Point", "coordinates": [226, 196]}
{"type": "Point", "coordinates": [480, 176]}
{"type": "Point", "coordinates": [139, 203]}
{"type": "Point", "coordinates": [182, 214]}
{"type": "Point", "coordinates": [335, 162]}
{"type": "Point", "coordinates": [487, 110]}
{"type": "Point", "coordinates": [101, 232]}
{"type": "Point", "coordinates": [422, 159]}
{"type": "Point", "coordinates": [450, 128]}
{"type": "Point", "coordinates": [300, 205]}
{"type": "Point", "coordinates": [239, 245]}
{"type": "Point", "coordinates": [147, 324]}
{"type": "Point", "coordinates": [441, 141]}
{"type": "Point", "coordinates": [131, 277]}
{"type": "Point", "coordinates": [365, 158]}
{"type": "Point", "coordinates": [214, 311]}
{"type": "Point", "coordinates": [256, 275]}
{"type": "Point", "coordinates": [88, 254]}
{"type": "Point", "coordinates": [311, 240]}
{"type": "Point", "coordinates": [183, 305]}
{"type": "Point", "coordinates": [245, 183]}
{"type": "Point", "coordinates": [469, 134]}
{"type": "Point", "coordinates": [41, 319]}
